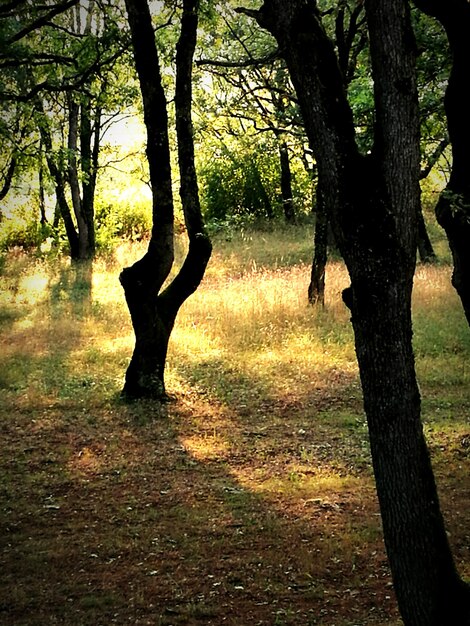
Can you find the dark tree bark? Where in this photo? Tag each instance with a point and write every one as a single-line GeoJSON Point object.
{"type": "Point", "coordinates": [42, 195]}
{"type": "Point", "coordinates": [425, 249]}
{"type": "Point", "coordinates": [8, 178]}
{"type": "Point", "coordinates": [82, 226]}
{"type": "Point", "coordinates": [84, 146]}
{"type": "Point", "coordinates": [453, 207]}
{"type": "Point", "coordinates": [56, 173]}
{"type": "Point", "coordinates": [350, 40]}
{"type": "Point", "coordinates": [153, 312]}
{"type": "Point", "coordinates": [89, 155]}
{"type": "Point", "coordinates": [373, 203]}
{"type": "Point", "coordinates": [286, 184]}
{"type": "Point", "coordinates": [316, 288]}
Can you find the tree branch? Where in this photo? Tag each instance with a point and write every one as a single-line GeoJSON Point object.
{"type": "Point", "coordinates": [434, 157]}
{"type": "Point", "coordinates": [41, 21]}
{"type": "Point", "coordinates": [272, 56]}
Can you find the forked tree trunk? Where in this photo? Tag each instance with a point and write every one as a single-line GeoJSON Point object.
{"type": "Point", "coordinates": [373, 202]}
{"type": "Point", "coordinates": [56, 173]}
{"type": "Point", "coordinates": [153, 311]}
{"type": "Point", "coordinates": [72, 145]}
{"type": "Point", "coordinates": [152, 325]}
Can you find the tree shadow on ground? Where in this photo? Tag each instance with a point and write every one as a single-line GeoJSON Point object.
{"type": "Point", "coordinates": [72, 289]}
{"type": "Point", "coordinates": [153, 524]}
{"type": "Point", "coordinates": [240, 503]}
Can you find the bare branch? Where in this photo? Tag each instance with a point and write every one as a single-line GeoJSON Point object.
{"type": "Point", "coordinates": [434, 157]}
{"type": "Point", "coordinates": [41, 21]}
{"type": "Point", "coordinates": [250, 62]}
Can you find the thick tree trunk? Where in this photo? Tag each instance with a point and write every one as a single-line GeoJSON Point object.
{"type": "Point", "coordinates": [453, 215]}
{"type": "Point", "coordinates": [373, 202]}
{"type": "Point", "coordinates": [152, 322]}
{"type": "Point", "coordinates": [427, 586]}
{"type": "Point", "coordinates": [453, 207]}
{"type": "Point", "coordinates": [143, 281]}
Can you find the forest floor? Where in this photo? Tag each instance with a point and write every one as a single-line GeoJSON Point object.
{"type": "Point", "coordinates": [247, 500]}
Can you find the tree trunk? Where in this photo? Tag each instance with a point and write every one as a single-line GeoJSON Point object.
{"type": "Point", "coordinates": [8, 178]}
{"type": "Point", "coordinates": [425, 249]}
{"type": "Point", "coordinates": [316, 289]}
{"type": "Point", "coordinates": [74, 112]}
{"type": "Point", "coordinates": [453, 207]}
{"type": "Point", "coordinates": [143, 281]}
{"type": "Point", "coordinates": [286, 184]}
{"type": "Point", "coordinates": [153, 313]}
{"type": "Point", "coordinates": [373, 202]}
{"type": "Point", "coordinates": [41, 192]}
{"type": "Point", "coordinates": [428, 588]}
{"type": "Point", "coordinates": [88, 167]}
{"type": "Point", "coordinates": [152, 322]}
{"type": "Point", "coordinates": [62, 204]}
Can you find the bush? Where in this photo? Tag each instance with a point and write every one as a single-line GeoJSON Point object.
{"type": "Point", "coordinates": [241, 184]}
{"type": "Point", "coordinates": [23, 230]}
{"type": "Point", "coordinates": [122, 221]}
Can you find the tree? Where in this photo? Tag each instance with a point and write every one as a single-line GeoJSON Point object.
{"type": "Point", "coordinates": [61, 64]}
{"type": "Point", "coordinates": [346, 25]}
{"type": "Point", "coordinates": [373, 201]}
{"type": "Point", "coordinates": [254, 90]}
{"type": "Point", "coordinates": [15, 144]}
{"type": "Point", "coordinates": [18, 20]}
{"type": "Point", "coordinates": [348, 29]}
{"type": "Point", "coordinates": [153, 309]}
{"type": "Point", "coordinates": [453, 207]}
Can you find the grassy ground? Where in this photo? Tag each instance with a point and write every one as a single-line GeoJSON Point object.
{"type": "Point", "coordinates": [249, 499]}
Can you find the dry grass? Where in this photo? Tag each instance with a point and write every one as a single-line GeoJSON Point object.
{"type": "Point", "coordinates": [250, 499]}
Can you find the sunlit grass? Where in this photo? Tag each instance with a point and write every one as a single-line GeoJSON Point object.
{"type": "Point", "coordinates": [264, 456]}
{"type": "Point", "coordinates": [442, 347]}
{"type": "Point", "coordinates": [257, 326]}
{"type": "Point", "coordinates": [248, 321]}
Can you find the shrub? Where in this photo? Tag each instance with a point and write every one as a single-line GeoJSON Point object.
{"type": "Point", "coordinates": [23, 230]}
{"type": "Point", "coordinates": [122, 221]}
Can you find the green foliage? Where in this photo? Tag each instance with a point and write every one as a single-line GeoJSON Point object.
{"type": "Point", "coordinates": [239, 183]}
{"type": "Point", "coordinates": [23, 230]}
{"type": "Point", "coordinates": [361, 98]}
{"type": "Point", "coordinates": [122, 221]}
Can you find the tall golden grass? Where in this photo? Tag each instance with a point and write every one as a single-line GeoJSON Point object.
{"type": "Point", "coordinates": [250, 317]}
